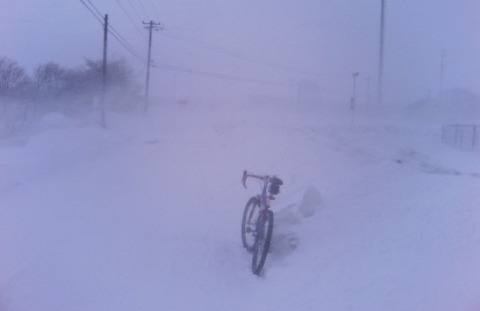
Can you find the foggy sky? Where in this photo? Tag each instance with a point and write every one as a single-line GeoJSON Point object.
{"type": "Point", "coordinates": [332, 38]}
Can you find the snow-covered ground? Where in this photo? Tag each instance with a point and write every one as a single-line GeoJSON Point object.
{"type": "Point", "coordinates": [146, 214]}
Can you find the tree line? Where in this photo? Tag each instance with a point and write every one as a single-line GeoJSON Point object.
{"type": "Point", "coordinates": [55, 88]}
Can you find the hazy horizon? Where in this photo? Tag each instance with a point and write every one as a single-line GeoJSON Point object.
{"type": "Point", "coordinates": [237, 49]}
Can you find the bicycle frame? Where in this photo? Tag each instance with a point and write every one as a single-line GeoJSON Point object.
{"type": "Point", "coordinates": [264, 198]}
{"type": "Point", "coordinates": [262, 233]}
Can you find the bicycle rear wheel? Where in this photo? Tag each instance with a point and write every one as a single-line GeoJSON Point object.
{"type": "Point", "coordinates": [262, 243]}
{"type": "Point", "coordinates": [249, 223]}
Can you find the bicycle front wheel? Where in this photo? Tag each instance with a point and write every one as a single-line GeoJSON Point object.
{"type": "Point", "coordinates": [262, 243]}
{"type": "Point", "coordinates": [249, 223]}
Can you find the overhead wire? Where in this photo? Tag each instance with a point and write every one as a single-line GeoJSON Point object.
{"type": "Point", "coordinates": [155, 9]}
{"type": "Point", "coordinates": [93, 13]}
{"type": "Point", "coordinates": [125, 44]}
{"type": "Point", "coordinates": [238, 55]}
{"type": "Point", "coordinates": [130, 18]}
{"type": "Point", "coordinates": [134, 9]}
{"type": "Point", "coordinates": [214, 74]}
{"type": "Point", "coordinates": [144, 10]}
{"type": "Point", "coordinates": [99, 16]}
{"type": "Point", "coordinates": [217, 75]}
{"type": "Point", "coordinates": [95, 8]}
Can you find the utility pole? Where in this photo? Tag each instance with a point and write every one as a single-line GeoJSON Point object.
{"type": "Point", "coordinates": [103, 122]}
{"type": "Point", "coordinates": [190, 86]}
{"type": "Point", "coordinates": [380, 61]}
{"type": "Point", "coordinates": [368, 90]}
{"type": "Point", "coordinates": [151, 26]}
{"type": "Point", "coordinates": [299, 95]}
{"type": "Point", "coordinates": [352, 100]}
{"type": "Point", "coordinates": [442, 67]}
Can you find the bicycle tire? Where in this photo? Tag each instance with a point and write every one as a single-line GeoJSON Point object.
{"type": "Point", "coordinates": [262, 243]}
{"type": "Point", "coordinates": [249, 220]}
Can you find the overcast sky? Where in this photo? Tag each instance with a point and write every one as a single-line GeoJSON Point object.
{"type": "Point", "coordinates": [278, 42]}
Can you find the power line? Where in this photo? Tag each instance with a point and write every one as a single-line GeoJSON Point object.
{"type": "Point", "coordinates": [144, 10]}
{"type": "Point", "coordinates": [134, 9]}
{"type": "Point", "coordinates": [155, 9]}
{"type": "Point", "coordinates": [197, 42]}
{"type": "Point", "coordinates": [125, 44]}
{"type": "Point", "coordinates": [239, 55]}
{"type": "Point", "coordinates": [130, 18]}
{"type": "Point", "coordinates": [217, 75]}
{"type": "Point", "coordinates": [120, 38]}
{"type": "Point", "coordinates": [93, 13]}
{"type": "Point", "coordinates": [95, 8]}
{"type": "Point", "coordinates": [116, 35]}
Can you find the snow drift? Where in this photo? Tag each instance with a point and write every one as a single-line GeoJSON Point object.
{"type": "Point", "coordinates": [146, 214]}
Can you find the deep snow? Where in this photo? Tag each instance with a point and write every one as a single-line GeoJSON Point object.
{"type": "Point", "coordinates": [146, 214]}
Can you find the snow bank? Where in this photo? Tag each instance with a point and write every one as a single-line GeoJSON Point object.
{"type": "Point", "coordinates": [289, 218]}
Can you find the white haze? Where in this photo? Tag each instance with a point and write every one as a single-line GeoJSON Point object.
{"type": "Point", "coordinates": [332, 38]}
{"type": "Point", "coordinates": [376, 212]}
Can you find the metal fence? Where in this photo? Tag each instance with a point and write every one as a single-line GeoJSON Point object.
{"type": "Point", "coordinates": [463, 136]}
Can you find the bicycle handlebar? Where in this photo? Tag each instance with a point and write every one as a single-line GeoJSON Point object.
{"type": "Point", "coordinates": [247, 174]}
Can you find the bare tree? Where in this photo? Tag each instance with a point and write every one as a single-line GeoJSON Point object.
{"type": "Point", "coordinates": [14, 86]}
{"type": "Point", "coordinates": [12, 77]}
{"type": "Point", "coordinates": [61, 89]}
{"type": "Point", "coordinates": [50, 81]}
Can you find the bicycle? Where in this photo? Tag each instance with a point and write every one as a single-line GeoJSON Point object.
{"type": "Point", "coordinates": [257, 221]}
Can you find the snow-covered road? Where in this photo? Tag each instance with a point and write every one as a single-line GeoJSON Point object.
{"type": "Point", "coordinates": [146, 215]}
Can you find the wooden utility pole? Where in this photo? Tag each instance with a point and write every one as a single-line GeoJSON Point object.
{"type": "Point", "coordinates": [151, 26]}
{"type": "Point", "coordinates": [103, 121]}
